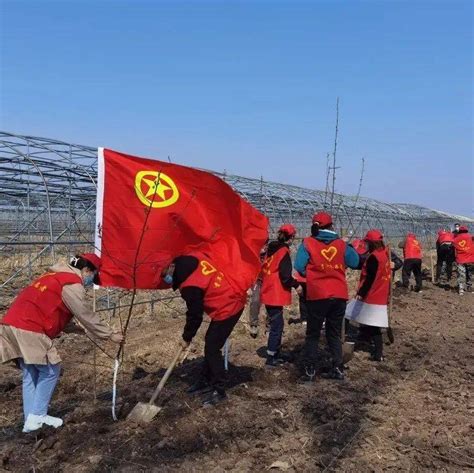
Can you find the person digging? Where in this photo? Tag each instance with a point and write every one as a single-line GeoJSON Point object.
{"type": "Point", "coordinates": [205, 289]}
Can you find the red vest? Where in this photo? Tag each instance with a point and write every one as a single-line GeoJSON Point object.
{"type": "Point", "coordinates": [412, 248]}
{"type": "Point", "coordinates": [378, 293]}
{"type": "Point", "coordinates": [220, 299]}
{"type": "Point", "coordinates": [273, 292]}
{"type": "Point", "coordinates": [326, 270]}
{"type": "Point", "coordinates": [464, 248]}
{"type": "Point", "coordinates": [445, 237]}
{"type": "Point", "coordinates": [40, 308]}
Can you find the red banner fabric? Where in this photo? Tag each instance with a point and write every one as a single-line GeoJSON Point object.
{"type": "Point", "coordinates": [149, 212]}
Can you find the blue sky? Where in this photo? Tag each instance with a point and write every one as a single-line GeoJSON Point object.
{"type": "Point", "coordinates": [251, 87]}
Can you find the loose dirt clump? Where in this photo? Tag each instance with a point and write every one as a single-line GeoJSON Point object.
{"type": "Point", "coordinates": [412, 412]}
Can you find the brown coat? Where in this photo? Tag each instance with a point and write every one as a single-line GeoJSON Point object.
{"type": "Point", "coordinates": [38, 348]}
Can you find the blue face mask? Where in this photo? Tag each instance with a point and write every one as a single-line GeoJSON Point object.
{"type": "Point", "coordinates": [168, 279]}
{"type": "Point", "coordinates": [88, 280]}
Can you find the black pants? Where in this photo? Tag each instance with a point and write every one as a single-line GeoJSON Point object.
{"type": "Point", "coordinates": [303, 304]}
{"type": "Point", "coordinates": [217, 333]}
{"type": "Point", "coordinates": [369, 332]}
{"type": "Point", "coordinates": [412, 265]}
{"type": "Point", "coordinates": [445, 256]}
{"type": "Point", "coordinates": [332, 311]}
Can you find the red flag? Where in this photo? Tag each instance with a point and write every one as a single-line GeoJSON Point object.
{"type": "Point", "coordinates": [149, 212]}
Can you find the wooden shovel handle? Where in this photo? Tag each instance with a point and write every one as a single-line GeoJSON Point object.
{"type": "Point", "coordinates": [167, 374]}
{"type": "Point", "coordinates": [343, 330]}
{"type": "Point", "coordinates": [390, 299]}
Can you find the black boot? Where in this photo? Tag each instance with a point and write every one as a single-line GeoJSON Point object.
{"type": "Point", "coordinates": [273, 361]}
{"type": "Point", "coordinates": [214, 397]}
{"type": "Point", "coordinates": [283, 357]}
{"type": "Point", "coordinates": [336, 373]}
{"type": "Point", "coordinates": [377, 358]}
{"type": "Point", "coordinates": [199, 387]}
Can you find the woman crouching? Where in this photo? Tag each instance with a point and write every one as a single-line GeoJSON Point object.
{"type": "Point", "coordinates": [369, 308]}
{"type": "Point", "coordinates": [38, 315]}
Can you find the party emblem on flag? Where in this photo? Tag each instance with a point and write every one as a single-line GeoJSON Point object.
{"type": "Point", "coordinates": [155, 189]}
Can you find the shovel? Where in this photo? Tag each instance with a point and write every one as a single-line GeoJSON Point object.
{"type": "Point", "coordinates": [145, 412]}
{"type": "Point", "coordinates": [390, 336]}
{"type": "Point", "coordinates": [347, 347]}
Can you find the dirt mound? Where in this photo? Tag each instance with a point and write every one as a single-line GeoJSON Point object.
{"type": "Point", "coordinates": [411, 412]}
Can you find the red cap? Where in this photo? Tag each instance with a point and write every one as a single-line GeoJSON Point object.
{"type": "Point", "coordinates": [289, 229]}
{"type": "Point", "coordinates": [93, 259]}
{"type": "Point", "coordinates": [373, 235]}
{"type": "Point", "coordinates": [463, 228]}
{"type": "Point", "coordinates": [323, 219]}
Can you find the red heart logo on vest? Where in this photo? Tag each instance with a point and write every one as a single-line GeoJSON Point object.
{"type": "Point", "coordinates": [462, 243]}
{"type": "Point", "coordinates": [207, 268]}
{"type": "Point", "coordinates": [329, 253]}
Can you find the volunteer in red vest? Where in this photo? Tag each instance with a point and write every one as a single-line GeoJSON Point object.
{"type": "Point", "coordinates": [277, 281]}
{"type": "Point", "coordinates": [323, 258]}
{"type": "Point", "coordinates": [205, 288]}
{"type": "Point", "coordinates": [360, 245]}
{"type": "Point", "coordinates": [445, 255]}
{"type": "Point", "coordinates": [37, 316]}
{"type": "Point", "coordinates": [369, 308]}
{"type": "Point", "coordinates": [412, 254]}
{"type": "Point", "coordinates": [464, 249]}
{"type": "Point", "coordinates": [362, 248]}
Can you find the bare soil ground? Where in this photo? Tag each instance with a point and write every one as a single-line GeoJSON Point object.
{"type": "Point", "coordinates": [411, 413]}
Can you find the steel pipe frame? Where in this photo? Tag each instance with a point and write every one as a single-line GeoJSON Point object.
{"type": "Point", "coordinates": [50, 179]}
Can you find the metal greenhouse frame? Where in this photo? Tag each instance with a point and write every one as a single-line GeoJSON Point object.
{"type": "Point", "coordinates": [48, 190]}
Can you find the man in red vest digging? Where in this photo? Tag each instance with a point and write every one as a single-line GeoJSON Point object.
{"type": "Point", "coordinates": [464, 248]}
{"type": "Point", "coordinates": [445, 254]}
{"type": "Point", "coordinates": [323, 258]}
{"type": "Point", "coordinates": [205, 288]}
{"type": "Point", "coordinates": [412, 254]}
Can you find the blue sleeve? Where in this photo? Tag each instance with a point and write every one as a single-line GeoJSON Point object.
{"type": "Point", "coordinates": [351, 258]}
{"type": "Point", "coordinates": [301, 260]}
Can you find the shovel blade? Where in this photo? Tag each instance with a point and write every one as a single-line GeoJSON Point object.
{"type": "Point", "coordinates": [347, 351]}
{"type": "Point", "coordinates": [143, 413]}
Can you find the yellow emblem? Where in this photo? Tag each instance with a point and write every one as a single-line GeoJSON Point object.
{"type": "Point", "coordinates": [267, 264]}
{"type": "Point", "coordinates": [155, 189]}
{"type": "Point", "coordinates": [329, 253]}
{"type": "Point", "coordinates": [207, 268]}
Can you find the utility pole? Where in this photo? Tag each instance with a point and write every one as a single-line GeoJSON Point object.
{"type": "Point", "coordinates": [334, 167]}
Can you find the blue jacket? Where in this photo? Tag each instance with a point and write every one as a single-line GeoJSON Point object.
{"type": "Point", "coordinates": [351, 258]}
